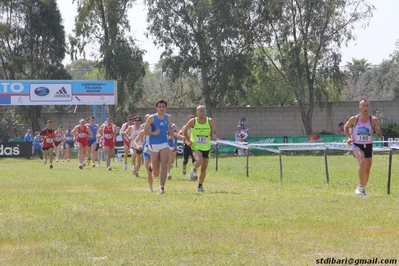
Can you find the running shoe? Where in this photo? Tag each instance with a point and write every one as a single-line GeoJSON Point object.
{"type": "Point", "coordinates": [200, 189]}
{"type": "Point", "coordinates": [169, 176]}
{"type": "Point", "coordinates": [125, 166]}
{"type": "Point", "coordinates": [161, 190]}
{"type": "Point", "coordinates": [51, 166]}
{"type": "Point", "coordinates": [193, 175]}
{"type": "Point", "coordinates": [361, 191]}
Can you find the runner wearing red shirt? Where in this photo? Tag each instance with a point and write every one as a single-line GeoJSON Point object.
{"type": "Point", "coordinates": [81, 133]}
{"type": "Point", "coordinates": [108, 132]}
{"type": "Point", "coordinates": [47, 135]}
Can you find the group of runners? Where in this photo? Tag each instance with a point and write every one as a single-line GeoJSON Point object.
{"type": "Point", "coordinates": [154, 142]}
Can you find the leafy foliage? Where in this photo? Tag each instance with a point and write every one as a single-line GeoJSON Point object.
{"type": "Point", "coordinates": [32, 44]}
{"type": "Point", "coordinates": [203, 39]}
{"type": "Point", "coordinates": [391, 128]}
{"type": "Point", "coordinates": [104, 24]}
{"type": "Point", "coordinates": [307, 35]}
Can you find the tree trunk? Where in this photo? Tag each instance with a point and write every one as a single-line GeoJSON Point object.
{"type": "Point", "coordinates": [34, 118]}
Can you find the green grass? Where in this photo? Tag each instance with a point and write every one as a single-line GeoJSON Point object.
{"type": "Point", "coordinates": [67, 216]}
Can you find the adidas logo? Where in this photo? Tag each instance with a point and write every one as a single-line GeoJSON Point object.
{"type": "Point", "coordinates": [62, 93]}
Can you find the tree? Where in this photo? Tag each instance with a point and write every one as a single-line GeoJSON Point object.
{"type": "Point", "coordinates": [356, 84]}
{"type": "Point", "coordinates": [32, 46]}
{"type": "Point", "coordinates": [178, 92]}
{"type": "Point", "coordinates": [307, 35]}
{"type": "Point", "coordinates": [265, 86]}
{"type": "Point", "coordinates": [206, 39]}
{"type": "Point", "coordinates": [104, 24]}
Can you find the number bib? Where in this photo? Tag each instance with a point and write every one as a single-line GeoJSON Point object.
{"type": "Point", "coordinates": [49, 140]}
{"type": "Point", "coordinates": [201, 139]}
{"type": "Point", "coordinates": [68, 138]}
{"type": "Point", "coordinates": [363, 138]}
{"type": "Point", "coordinates": [108, 136]}
{"type": "Point", "coordinates": [82, 135]}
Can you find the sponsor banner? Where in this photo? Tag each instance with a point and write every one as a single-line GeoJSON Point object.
{"type": "Point", "coordinates": [390, 137]}
{"type": "Point", "coordinates": [225, 148]}
{"type": "Point", "coordinates": [15, 149]}
{"type": "Point", "coordinates": [57, 92]}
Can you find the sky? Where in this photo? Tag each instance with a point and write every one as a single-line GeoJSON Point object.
{"type": "Point", "coordinates": [374, 43]}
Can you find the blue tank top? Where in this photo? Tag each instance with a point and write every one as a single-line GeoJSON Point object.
{"type": "Point", "coordinates": [93, 130]}
{"type": "Point", "coordinates": [68, 136]}
{"type": "Point", "coordinates": [162, 124]}
{"type": "Point", "coordinates": [172, 142]}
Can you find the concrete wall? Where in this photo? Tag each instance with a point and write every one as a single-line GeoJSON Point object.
{"type": "Point", "coordinates": [263, 121]}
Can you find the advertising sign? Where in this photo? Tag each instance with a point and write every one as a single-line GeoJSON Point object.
{"type": "Point", "coordinates": [15, 149]}
{"type": "Point", "coordinates": [57, 92]}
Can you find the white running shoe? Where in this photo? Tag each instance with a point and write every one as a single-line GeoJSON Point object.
{"type": "Point", "coordinates": [125, 166]}
{"type": "Point", "coordinates": [200, 189]}
{"type": "Point", "coordinates": [193, 175]}
{"type": "Point", "coordinates": [109, 168]}
{"type": "Point", "coordinates": [56, 159]}
{"type": "Point", "coordinates": [361, 191]}
{"type": "Point", "coordinates": [45, 161]}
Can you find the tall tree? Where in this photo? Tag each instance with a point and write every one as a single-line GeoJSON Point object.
{"type": "Point", "coordinates": [33, 46]}
{"type": "Point", "coordinates": [356, 84]}
{"type": "Point", "coordinates": [307, 35]}
{"type": "Point", "coordinates": [266, 87]}
{"type": "Point", "coordinates": [104, 24]}
{"type": "Point", "coordinates": [203, 38]}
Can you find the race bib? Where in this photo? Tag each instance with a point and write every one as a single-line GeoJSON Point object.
{"type": "Point", "coordinates": [82, 135]}
{"type": "Point", "coordinates": [201, 139]}
{"type": "Point", "coordinates": [68, 138]}
{"type": "Point", "coordinates": [108, 136]}
{"type": "Point", "coordinates": [363, 138]}
{"type": "Point", "coordinates": [58, 138]}
{"type": "Point", "coordinates": [49, 140]}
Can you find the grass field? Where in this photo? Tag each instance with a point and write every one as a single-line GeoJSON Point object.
{"type": "Point", "coordinates": [67, 216]}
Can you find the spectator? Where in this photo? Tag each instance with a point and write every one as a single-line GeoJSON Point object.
{"type": "Point", "coordinates": [37, 145]}
{"type": "Point", "coordinates": [340, 130]}
{"type": "Point", "coordinates": [240, 136]}
{"type": "Point", "coordinates": [28, 138]}
{"type": "Point", "coordinates": [244, 121]}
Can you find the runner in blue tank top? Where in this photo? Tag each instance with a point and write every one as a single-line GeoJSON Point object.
{"type": "Point", "coordinates": [93, 154]}
{"type": "Point", "coordinates": [157, 128]}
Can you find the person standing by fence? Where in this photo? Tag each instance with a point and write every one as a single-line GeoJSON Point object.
{"type": "Point", "coordinates": [37, 145]}
{"type": "Point", "coordinates": [28, 138]}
